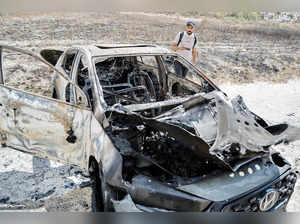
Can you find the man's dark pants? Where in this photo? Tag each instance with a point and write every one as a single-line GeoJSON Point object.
{"type": "Point", "coordinates": [180, 69]}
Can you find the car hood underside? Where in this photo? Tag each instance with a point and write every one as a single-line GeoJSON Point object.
{"type": "Point", "coordinates": [222, 131]}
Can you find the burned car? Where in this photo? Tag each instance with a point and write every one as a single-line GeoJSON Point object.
{"type": "Point", "coordinates": [151, 139]}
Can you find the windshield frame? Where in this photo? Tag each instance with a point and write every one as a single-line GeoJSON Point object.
{"type": "Point", "coordinates": [165, 70]}
{"type": "Point", "coordinates": [189, 64]}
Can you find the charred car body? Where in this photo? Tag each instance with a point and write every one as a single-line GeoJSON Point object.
{"type": "Point", "coordinates": [151, 139]}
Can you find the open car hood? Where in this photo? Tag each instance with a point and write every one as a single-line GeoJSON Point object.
{"type": "Point", "coordinates": [214, 127]}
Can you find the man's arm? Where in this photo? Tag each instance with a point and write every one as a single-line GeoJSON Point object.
{"type": "Point", "coordinates": [174, 47]}
{"type": "Point", "coordinates": [194, 55]}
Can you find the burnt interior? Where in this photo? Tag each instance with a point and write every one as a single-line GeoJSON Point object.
{"type": "Point", "coordinates": [124, 80]}
{"type": "Point", "coordinates": [140, 79]}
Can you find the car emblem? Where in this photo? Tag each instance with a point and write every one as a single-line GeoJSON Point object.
{"type": "Point", "coordinates": [268, 200]}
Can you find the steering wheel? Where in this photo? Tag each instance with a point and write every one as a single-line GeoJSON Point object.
{"type": "Point", "coordinates": [141, 78]}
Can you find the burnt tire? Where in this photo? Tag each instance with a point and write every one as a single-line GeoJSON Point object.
{"type": "Point", "coordinates": [97, 194]}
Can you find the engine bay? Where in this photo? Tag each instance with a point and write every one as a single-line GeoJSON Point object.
{"type": "Point", "coordinates": [156, 154]}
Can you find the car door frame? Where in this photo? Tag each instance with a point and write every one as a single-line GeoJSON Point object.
{"type": "Point", "coordinates": [59, 101]}
{"type": "Point", "coordinates": [61, 82]}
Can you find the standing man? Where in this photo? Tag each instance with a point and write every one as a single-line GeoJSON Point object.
{"type": "Point", "coordinates": [184, 44]}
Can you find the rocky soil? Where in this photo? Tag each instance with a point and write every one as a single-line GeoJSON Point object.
{"type": "Point", "coordinates": [252, 58]}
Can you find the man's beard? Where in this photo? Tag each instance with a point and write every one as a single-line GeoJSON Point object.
{"type": "Point", "coordinates": [189, 32]}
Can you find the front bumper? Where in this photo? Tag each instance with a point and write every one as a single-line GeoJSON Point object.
{"type": "Point", "coordinates": [251, 202]}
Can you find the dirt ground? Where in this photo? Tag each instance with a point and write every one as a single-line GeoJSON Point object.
{"type": "Point", "coordinates": [243, 56]}
{"type": "Point", "coordinates": [229, 49]}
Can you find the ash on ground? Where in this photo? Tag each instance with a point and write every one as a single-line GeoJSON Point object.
{"type": "Point", "coordinates": [28, 182]}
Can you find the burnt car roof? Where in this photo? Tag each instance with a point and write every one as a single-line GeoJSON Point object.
{"type": "Point", "coordinates": [124, 49]}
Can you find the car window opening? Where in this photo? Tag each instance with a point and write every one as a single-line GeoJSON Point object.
{"type": "Point", "coordinates": [144, 79]}
{"type": "Point", "coordinates": [68, 63]}
{"type": "Point", "coordinates": [83, 79]}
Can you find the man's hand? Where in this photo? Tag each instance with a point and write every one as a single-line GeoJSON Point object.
{"type": "Point", "coordinates": [181, 48]}
{"type": "Point", "coordinates": [176, 48]}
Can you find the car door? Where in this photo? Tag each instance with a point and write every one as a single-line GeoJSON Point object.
{"type": "Point", "coordinates": [65, 65]}
{"type": "Point", "coordinates": [36, 123]}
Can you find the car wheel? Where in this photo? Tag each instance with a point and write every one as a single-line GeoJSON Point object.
{"type": "Point", "coordinates": [107, 192]}
{"type": "Point", "coordinates": [97, 195]}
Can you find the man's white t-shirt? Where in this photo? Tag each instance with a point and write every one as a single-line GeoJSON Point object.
{"type": "Point", "coordinates": [187, 41]}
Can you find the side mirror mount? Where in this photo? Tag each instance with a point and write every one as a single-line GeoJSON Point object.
{"type": "Point", "coordinates": [81, 98]}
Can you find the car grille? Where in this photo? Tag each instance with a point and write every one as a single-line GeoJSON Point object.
{"type": "Point", "coordinates": [284, 188]}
